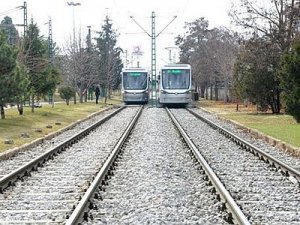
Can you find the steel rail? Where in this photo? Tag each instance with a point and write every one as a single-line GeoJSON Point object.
{"type": "Point", "coordinates": [24, 170]}
{"type": "Point", "coordinates": [237, 215]}
{"type": "Point", "coordinates": [249, 147]}
{"type": "Point", "coordinates": [78, 214]}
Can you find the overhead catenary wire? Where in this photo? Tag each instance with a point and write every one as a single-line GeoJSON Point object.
{"type": "Point", "coordinates": [9, 11]}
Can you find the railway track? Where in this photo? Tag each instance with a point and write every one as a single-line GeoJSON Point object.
{"type": "Point", "coordinates": [55, 186]}
{"type": "Point", "coordinates": [265, 188]}
{"type": "Point", "coordinates": [147, 172]}
{"type": "Point", "coordinates": [156, 182]}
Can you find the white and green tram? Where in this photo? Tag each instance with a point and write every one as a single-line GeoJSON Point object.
{"type": "Point", "coordinates": [135, 85]}
{"type": "Point", "coordinates": [175, 85]}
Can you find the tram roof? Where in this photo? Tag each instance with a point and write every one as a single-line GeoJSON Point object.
{"type": "Point", "coordinates": [186, 66]}
{"type": "Point", "coordinates": [132, 69]}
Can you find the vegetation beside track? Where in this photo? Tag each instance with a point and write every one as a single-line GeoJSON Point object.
{"type": "Point", "coordinates": [58, 117]}
{"type": "Point", "coordinates": [280, 126]}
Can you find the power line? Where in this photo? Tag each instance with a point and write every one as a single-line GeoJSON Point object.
{"type": "Point", "coordinates": [166, 26]}
{"type": "Point", "coordinates": [9, 11]}
{"type": "Point", "coordinates": [140, 26]}
{"type": "Point", "coordinates": [153, 52]}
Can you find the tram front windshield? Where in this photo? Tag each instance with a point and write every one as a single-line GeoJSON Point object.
{"type": "Point", "coordinates": [134, 80]}
{"type": "Point", "coordinates": [176, 78]}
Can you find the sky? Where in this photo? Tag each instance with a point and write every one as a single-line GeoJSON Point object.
{"type": "Point", "coordinates": [93, 12]}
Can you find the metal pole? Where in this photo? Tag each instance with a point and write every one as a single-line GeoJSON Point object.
{"type": "Point", "coordinates": [153, 61]}
{"type": "Point", "coordinates": [126, 59]}
{"type": "Point", "coordinates": [89, 41]}
{"type": "Point", "coordinates": [73, 4]}
{"type": "Point", "coordinates": [25, 18]}
{"type": "Point", "coordinates": [50, 41]}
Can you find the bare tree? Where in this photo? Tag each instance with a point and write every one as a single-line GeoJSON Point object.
{"type": "Point", "coordinates": [278, 20]}
{"type": "Point", "coordinates": [80, 68]}
{"type": "Point", "coordinates": [211, 52]}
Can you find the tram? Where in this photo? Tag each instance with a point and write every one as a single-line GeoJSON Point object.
{"type": "Point", "coordinates": [175, 85]}
{"type": "Point", "coordinates": [135, 85]}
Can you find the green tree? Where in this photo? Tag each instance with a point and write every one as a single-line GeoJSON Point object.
{"type": "Point", "coordinates": [12, 80]}
{"type": "Point", "coordinates": [66, 93]}
{"type": "Point", "coordinates": [290, 80]}
{"type": "Point", "coordinates": [271, 26]}
{"type": "Point", "coordinates": [21, 87]}
{"type": "Point", "coordinates": [254, 74]}
{"type": "Point", "coordinates": [42, 76]}
{"type": "Point", "coordinates": [111, 64]}
{"type": "Point", "coordinates": [10, 30]}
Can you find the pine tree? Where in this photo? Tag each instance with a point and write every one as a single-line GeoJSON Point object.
{"type": "Point", "coordinates": [111, 64]}
{"type": "Point", "coordinates": [10, 30]}
{"type": "Point", "coordinates": [42, 76]}
{"type": "Point", "coordinates": [290, 80]}
{"type": "Point", "coordinates": [12, 79]}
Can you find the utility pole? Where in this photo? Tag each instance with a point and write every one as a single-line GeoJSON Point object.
{"type": "Point", "coordinates": [50, 41]}
{"type": "Point", "coordinates": [74, 4]}
{"type": "Point", "coordinates": [25, 17]}
{"type": "Point", "coordinates": [153, 37]}
{"type": "Point", "coordinates": [89, 40]}
{"type": "Point", "coordinates": [153, 61]}
{"type": "Point", "coordinates": [126, 58]}
{"type": "Point", "coordinates": [50, 50]}
{"type": "Point", "coordinates": [171, 60]}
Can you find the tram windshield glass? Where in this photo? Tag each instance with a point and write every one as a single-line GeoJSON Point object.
{"type": "Point", "coordinates": [134, 80]}
{"type": "Point", "coordinates": [176, 78]}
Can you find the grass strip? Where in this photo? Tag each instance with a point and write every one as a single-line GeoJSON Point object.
{"type": "Point", "coordinates": [280, 126]}
{"type": "Point", "coordinates": [43, 121]}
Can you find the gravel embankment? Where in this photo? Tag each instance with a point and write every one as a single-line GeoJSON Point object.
{"type": "Point", "coordinates": [156, 181]}
{"type": "Point", "coordinates": [50, 193]}
{"type": "Point", "coordinates": [265, 195]}
{"type": "Point", "coordinates": [278, 153]}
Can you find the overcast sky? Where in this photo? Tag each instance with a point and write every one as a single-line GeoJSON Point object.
{"type": "Point", "coordinates": [93, 12]}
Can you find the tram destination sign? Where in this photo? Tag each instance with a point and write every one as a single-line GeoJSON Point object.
{"type": "Point", "coordinates": [135, 74]}
{"type": "Point", "coordinates": [175, 72]}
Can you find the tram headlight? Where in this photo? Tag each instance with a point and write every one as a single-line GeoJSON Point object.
{"type": "Point", "coordinates": [163, 92]}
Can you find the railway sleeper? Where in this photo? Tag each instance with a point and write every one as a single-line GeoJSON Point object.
{"type": "Point", "coordinates": [35, 167]}
{"type": "Point", "coordinates": [98, 196]}
{"type": "Point", "coordinates": [222, 207]}
{"type": "Point", "coordinates": [27, 173]}
{"type": "Point", "coordinates": [229, 218]}
{"type": "Point", "coordinates": [213, 190]}
{"type": "Point", "coordinates": [85, 216]}
{"type": "Point", "coordinates": [218, 197]}
{"type": "Point", "coordinates": [91, 205]}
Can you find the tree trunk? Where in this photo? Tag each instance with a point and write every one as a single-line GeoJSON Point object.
{"type": "Point", "coordinates": [20, 108]}
{"type": "Point", "coordinates": [216, 93]}
{"type": "Point", "coordinates": [86, 96]}
{"type": "Point", "coordinates": [75, 98]}
{"type": "Point", "coordinates": [109, 91]}
{"type": "Point", "coordinates": [81, 97]}
{"type": "Point", "coordinates": [202, 91]}
{"type": "Point", "coordinates": [275, 106]}
{"type": "Point", "coordinates": [32, 103]}
{"type": "Point", "coordinates": [2, 112]}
